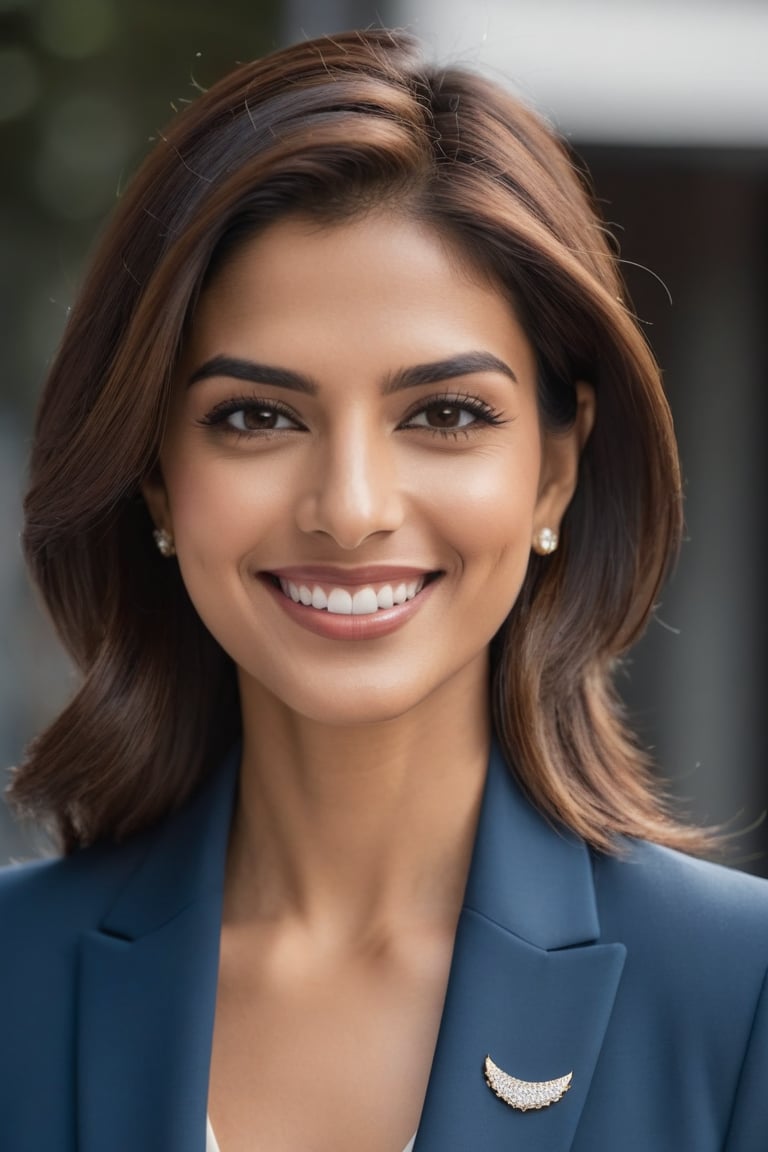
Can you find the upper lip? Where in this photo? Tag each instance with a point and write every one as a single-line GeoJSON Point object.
{"type": "Point", "coordinates": [351, 577]}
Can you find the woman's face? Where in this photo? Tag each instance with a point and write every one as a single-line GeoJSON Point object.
{"type": "Point", "coordinates": [354, 468]}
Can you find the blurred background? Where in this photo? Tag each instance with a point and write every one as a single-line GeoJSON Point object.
{"type": "Point", "coordinates": [666, 101]}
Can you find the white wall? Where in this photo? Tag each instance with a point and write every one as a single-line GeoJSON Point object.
{"type": "Point", "coordinates": [646, 71]}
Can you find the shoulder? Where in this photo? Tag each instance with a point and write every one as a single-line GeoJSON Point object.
{"type": "Point", "coordinates": [55, 899]}
{"type": "Point", "coordinates": [173, 861]}
{"type": "Point", "coordinates": [46, 909]}
{"type": "Point", "coordinates": [658, 889]}
{"type": "Point", "coordinates": [694, 991]}
{"type": "Point", "coordinates": [696, 934]}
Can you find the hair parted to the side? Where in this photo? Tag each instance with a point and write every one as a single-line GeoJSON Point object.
{"type": "Point", "coordinates": [333, 127]}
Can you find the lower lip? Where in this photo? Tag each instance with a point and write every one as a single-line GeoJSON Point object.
{"type": "Point", "coordinates": [336, 626]}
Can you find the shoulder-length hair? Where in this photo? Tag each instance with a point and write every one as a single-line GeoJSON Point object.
{"type": "Point", "coordinates": [331, 128]}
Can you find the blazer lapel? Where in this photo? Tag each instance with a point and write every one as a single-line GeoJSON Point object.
{"type": "Point", "coordinates": [147, 989]}
{"type": "Point", "coordinates": [528, 986]}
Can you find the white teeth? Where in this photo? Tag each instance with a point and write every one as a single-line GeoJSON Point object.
{"type": "Point", "coordinates": [319, 598]}
{"type": "Point", "coordinates": [364, 602]}
{"type": "Point", "coordinates": [340, 602]}
{"type": "Point", "coordinates": [384, 597]}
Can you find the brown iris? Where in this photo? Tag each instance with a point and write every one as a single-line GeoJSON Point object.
{"type": "Point", "coordinates": [444, 415]}
{"type": "Point", "coordinates": [257, 419]}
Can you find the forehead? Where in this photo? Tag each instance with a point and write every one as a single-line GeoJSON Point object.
{"type": "Point", "coordinates": [371, 246]}
{"type": "Point", "coordinates": [377, 287]}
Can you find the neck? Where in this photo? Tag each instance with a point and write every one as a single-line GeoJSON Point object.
{"type": "Point", "coordinates": [358, 828]}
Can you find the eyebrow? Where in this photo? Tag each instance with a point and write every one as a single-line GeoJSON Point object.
{"type": "Point", "coordinates": [238, 369]}
{"type": "Point", "coordinates": [416, 376]}
{"type": "Point", "coordinates": [466, 364]}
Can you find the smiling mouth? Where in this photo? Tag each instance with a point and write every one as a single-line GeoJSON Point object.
{"type": "Point", "coordinates": [364, 601]}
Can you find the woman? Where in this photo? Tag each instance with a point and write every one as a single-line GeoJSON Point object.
{"type": "Point", "coordinates": [352, 479]}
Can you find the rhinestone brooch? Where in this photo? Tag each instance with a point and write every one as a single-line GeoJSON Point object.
{"type": "Point", "coordinates": [524, 1095]}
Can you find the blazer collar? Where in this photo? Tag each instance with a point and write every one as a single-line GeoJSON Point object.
{"type": "Point", "coordinates": [528, 876]}
{"type": "Point", "coordinates": [184, 861]}
{"type": "Point", "coordinates": [527, 986]}
{"type": "Point", "coordinates": [519, 865]}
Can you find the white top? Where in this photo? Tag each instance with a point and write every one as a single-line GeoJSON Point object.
{"type": "Point", "coordinates": [212, 1146]}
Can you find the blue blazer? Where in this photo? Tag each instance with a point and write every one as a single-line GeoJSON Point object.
{"type": "Point", "coordinates": [644, 976]}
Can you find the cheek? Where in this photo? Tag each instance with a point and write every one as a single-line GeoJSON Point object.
{"type": "Point", "coordinates": [486, 504]}
{"type": "Point", "coordinates": [220, 507]}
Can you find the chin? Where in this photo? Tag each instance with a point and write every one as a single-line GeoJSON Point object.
{"type": "Point", "coordinates": [376, 708]}
{"type": "Point", "coordinates": [346, 704]}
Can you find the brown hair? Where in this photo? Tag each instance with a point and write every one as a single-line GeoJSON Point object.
{"type": "Point", "coordinates": [330, 127]}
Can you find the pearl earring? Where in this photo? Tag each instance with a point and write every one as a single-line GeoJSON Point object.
{"type": "Point", "coordinates": [545, 541]}
{"type": "Point", "coordinates": [164, 541]}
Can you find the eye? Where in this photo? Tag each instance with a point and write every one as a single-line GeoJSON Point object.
{"type": "Point", "coordinates": [245, 415]}
{"type": "Point", "coordinates": [258, 418]}
{"type": "Point", "coordinates": [449, 414]}
{"type": "Point", "coordinates": [442, 416]}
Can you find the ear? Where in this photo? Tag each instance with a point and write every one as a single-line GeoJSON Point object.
{"type": "Point", "coordinates": [560, 462]}
{"type": "Point", "coordinates": [156, 498]}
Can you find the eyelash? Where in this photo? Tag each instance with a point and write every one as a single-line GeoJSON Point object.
{"type": "Point", "coordinates": [218, 416]}
{"type": "Point", "coordinates": [483, 413]}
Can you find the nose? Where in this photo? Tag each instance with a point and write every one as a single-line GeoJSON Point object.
{"type": "Point", "coordinates": [352, 490]}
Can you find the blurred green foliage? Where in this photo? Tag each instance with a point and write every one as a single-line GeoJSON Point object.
{"type": "Point", "coordinates": [84, 86]}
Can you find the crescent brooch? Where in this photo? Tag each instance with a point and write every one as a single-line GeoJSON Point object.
{"type": "Point", "coordinates": [524, 1094]}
